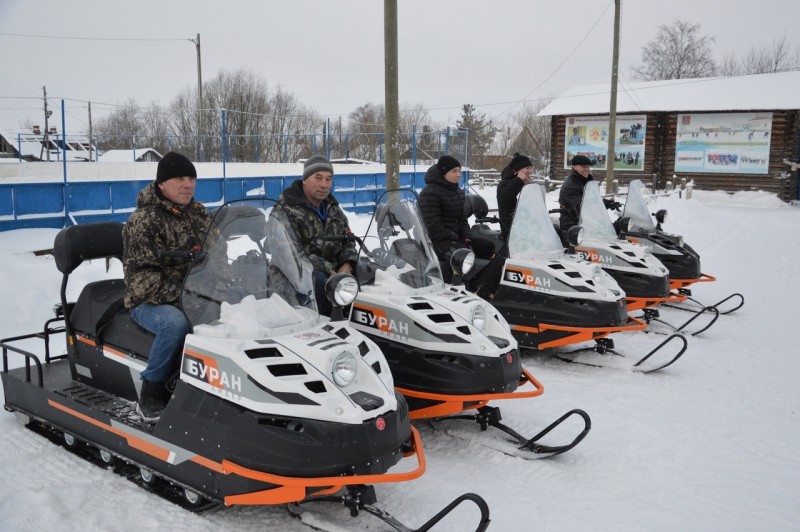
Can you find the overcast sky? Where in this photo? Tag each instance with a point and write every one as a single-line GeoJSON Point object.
{"type": "Point", "coordinates": [490, 53]}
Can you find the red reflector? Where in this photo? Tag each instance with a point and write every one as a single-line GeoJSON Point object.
{"type": "Point", "coordinates": [509, 358]}
{"type": "Point", "coordinates": [380, 424]}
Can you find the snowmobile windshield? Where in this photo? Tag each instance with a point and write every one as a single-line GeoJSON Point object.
{"type": "Point", "coordinates": [249, 280]}
{"type": "Point", "coordinates": [397, 257]}
{"type": "Point", "coordinates": [636, 208]}
{"type": "Point", "coordinates": [532, 233]}
{"type": "Point", "coordinates": [596, 224]}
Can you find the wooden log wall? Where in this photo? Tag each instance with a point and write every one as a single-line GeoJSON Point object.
{"type": "Point", "coordinates": [659, 157]}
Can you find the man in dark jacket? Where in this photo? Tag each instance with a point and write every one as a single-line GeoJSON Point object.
{"type": "Point", "coordinates": [571, 195]}
{"type": "Point", "coordinates": [166, 219]}
{"type": "Point", "coordinates": [313, 212]}
{"type": "Point", "coordinates": [441, 203]}
{"type": "Point", "coordinates": [514, 176]}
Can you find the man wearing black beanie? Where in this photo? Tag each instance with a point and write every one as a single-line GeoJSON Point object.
{"type": "Point", "coordinates": [571, 195]}
{"type": "Point", "coordinates": [513, 177]}
{"type": "Point", "coordinates": [167, 218]}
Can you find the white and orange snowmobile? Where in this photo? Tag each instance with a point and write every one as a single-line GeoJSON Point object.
{"type": "Point", "coordinates": [681, 260]}
{"type": "Point", "coordinates": [551, 296]}
{"type": "Point", "coordinates": [451, 353]}
{"type": "Point", "coordinates": [271, 403]}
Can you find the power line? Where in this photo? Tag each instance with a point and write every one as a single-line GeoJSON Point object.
{"type": "Point", "coordinates": [88, 38]}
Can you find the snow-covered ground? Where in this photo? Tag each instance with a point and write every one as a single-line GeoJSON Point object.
{"type": "Point", "coordinates": [709, 443]}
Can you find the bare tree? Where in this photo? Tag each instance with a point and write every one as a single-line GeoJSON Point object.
{"type": "Point", "coordinates": [729, 65]}
{"type": "Point", "coordinates": [119, 129]}
{"type": "Point", "coordinates": [777, 57]}
{"type": "Point", "coordinates": [678, 51]}
{"type": "Point", "coordinates": [365, 132]}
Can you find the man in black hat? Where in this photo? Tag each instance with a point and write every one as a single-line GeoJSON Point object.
{"type": "Point", "coordinates": [167, 218]}
{"type": "Point", "coordinates": [571, 195]}
{"type": "Point", "coordinates": [513, 177]}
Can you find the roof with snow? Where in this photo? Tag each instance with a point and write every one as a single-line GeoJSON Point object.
{"type": "Point", "coordinates": [740, 93]}
{"type": "Point", "coordinates": [127, 156]}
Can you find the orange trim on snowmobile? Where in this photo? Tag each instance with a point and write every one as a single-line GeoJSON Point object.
{"type": "Point", "coordinates": [133, 441]}
{"type": "Point", "coordinates": [674, 284]}
{"type": "Point", "coordinates": [580, 334]}
{"type": "Point", "coordinates": [292, 489]}
{"type": "Point", "coordinates": [105, 348]}
{"type": "Point", "coordinates": [638, 303]}
{"type": "Point", "coordinates": [453, 404]}
{"type": "Point", "coordinates": [86, 340]}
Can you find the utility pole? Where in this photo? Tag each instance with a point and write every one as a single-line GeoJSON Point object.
{"type": "Point", "coordinates": [90, 131]}
{"type": "Point", "coordinates": [612, 114]}
{"type": "Point", "coordinates": [46, 144]}
{"type": "Point", "coordinates": [199, 101]}
{"type": "Point", "coordinates": [391, 94]}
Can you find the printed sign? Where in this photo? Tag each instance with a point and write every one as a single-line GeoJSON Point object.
{"type": "Point", "coordinates": [723, 143]}
{"type": "Point", "coordinates": [588, 135]}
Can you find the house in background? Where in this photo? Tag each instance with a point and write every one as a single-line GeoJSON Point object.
{"type": "Point", "coordinates": [733, 133]}
{"type": "Point", "coordinates": [140, 155]}
{"type": "Point", "coordinates": [38, 145]}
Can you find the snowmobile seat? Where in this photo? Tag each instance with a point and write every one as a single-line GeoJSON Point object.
{"type": "Point", "coordinates": [475, 205]}
{"type": "Point", "coordinates": [99, 311]}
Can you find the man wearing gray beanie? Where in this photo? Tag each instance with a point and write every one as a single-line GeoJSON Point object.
{"type": "Point", "coordinates": [313, 213]}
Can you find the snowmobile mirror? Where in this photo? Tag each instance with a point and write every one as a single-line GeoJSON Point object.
{"type": "Point", "coordinates": [341, 289]}
{"type": "Point", "coordinates": [661, 216]}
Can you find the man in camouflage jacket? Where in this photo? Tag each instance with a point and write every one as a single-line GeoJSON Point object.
{"type": "Point", "coordinates": [166, 219]}
{"type": "Point", "coordinates": [312, 212]}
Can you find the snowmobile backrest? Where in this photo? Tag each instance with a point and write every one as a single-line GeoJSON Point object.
{"type": "Point", "coordinates": [78, 243]}
{"type": "Point", "coordinates": [475, 205]}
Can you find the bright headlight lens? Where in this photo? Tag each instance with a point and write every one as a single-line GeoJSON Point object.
{"type": "Point", "coordinates": [345, 368]}
{"type": "Point", "coordinates": [479, 317]}
{"type": "Point", "coordinates": [345, 291]}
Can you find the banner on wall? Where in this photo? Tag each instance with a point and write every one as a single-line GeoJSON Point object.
{"type": "Point", "coordinates": [588, 135]}
{"type": "Point", "coordinates": [725, 143]}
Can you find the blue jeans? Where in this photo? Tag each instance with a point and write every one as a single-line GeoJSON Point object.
{"type": "Point", "coordinates": [170, 326]}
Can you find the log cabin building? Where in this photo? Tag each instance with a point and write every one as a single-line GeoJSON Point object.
{"type": "Point", "coordinates": [732, 133]}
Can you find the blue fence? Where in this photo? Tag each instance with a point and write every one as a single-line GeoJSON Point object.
{"type": "Point", "coordinates": [56, 205]}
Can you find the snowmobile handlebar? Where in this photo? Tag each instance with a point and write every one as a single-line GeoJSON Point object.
{"type": "Point", "coordinates": [183, 255]}
{"type": "Point", "coordinates": [487, 220]}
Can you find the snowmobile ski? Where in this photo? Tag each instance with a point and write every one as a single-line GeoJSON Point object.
{"type": "Point", "coordinates": [520, 446]}
{"type": "Point", "coordinates": [724, 306]}
{"type": "Point", "coordinates": [709, 316]}
{"type": "Point", "coordinates": [362, 498]}
{"type": "Point", "coordinates": [602, 355]}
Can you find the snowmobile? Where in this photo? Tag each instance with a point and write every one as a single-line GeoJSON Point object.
{"type": "Point", "coordinates": [450, 352]}
{"type": "Point", "coordinates": [645, 280]}
{"type": "Point", "coordinates": [271, 403]}
{"type": "Point", "coordinates": [683, 262]}
{"type": "Point", "coordinates": [553, 297]}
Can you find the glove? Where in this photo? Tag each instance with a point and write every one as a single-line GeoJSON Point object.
{"type": "Point", "coordinates": [611, 204]}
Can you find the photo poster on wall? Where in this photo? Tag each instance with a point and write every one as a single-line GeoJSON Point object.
{"type": "Point", "coordinates": [588, 135]}
{"type": "Point", "coordinates": [723, 143]}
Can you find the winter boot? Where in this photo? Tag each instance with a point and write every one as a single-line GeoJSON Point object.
{"type": "Point", "coordinates": [152, 400]}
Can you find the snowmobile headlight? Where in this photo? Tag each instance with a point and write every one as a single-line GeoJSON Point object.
{"type": "Point", "coordinates": [648, 251]}
{"type": "Point", "coordinates": [575, 235]}
{"type": "Point", "coordinates": [479, 317]}
{"type": "Point", "coordinates": [341, 289]}
{"type": "Point", "coordinates": [345, 368]}
{"type": "Point", "coordinates": [462, 261]}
